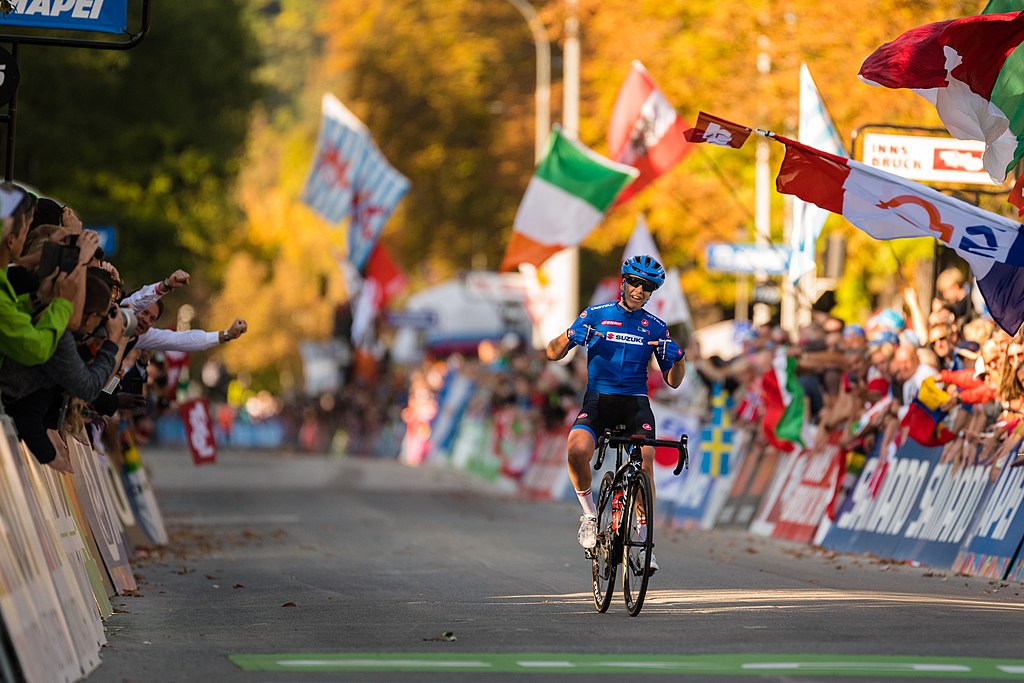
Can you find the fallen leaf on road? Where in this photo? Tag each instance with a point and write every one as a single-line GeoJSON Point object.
{"type": "Point", "coordinates": [238, 585]}
{"type": "Point", "coordinates": [750, 551]}
{"type": "Point", "coordinates": [289, 604]}
{"type": "Point", "coordinates": [448, 636]}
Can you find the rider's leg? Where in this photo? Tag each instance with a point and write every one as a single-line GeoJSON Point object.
{"type": "Point", "coordinates": [648, 455]}
{"type": "Point", "coordinates": [581, 450]}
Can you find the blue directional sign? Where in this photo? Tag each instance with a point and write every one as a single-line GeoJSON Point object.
{"type": "Point", "coordinates": [418, 320]}
{"type": "Point", "coordinates": [729, 257]}
{"type": "Point", "coordinates": [108, 237]}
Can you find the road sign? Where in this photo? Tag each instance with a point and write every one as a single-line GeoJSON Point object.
{"type": "Point", "coordinates": [418, 320]}
{"type": "Point", "coordinates": [927, 158]}
{"type": "Point", "coordinates": [108, 237]}
{"type": "Point", "coordinates": [729, 257]}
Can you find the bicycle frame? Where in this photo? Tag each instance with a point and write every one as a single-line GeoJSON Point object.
{"type": "Point", "coordinates": [617, 497]}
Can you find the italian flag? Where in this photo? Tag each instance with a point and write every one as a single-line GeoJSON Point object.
{"type": "Point", "coordinates": [567, 197]}
{"type": "Point", "coordinates": [785, 407]}
{"type": "Point", "coordinates": [972, 71]}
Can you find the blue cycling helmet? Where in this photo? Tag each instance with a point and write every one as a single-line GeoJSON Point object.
{"type": "Point", "coordinates": [646, 267]}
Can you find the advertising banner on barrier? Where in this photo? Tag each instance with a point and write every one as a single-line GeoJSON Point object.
{"type": "Point", "coordinates": [922, 510]}
{"type": "Point", "coordinates": [750, 483]}
{"type": "Point", "coordinates": [102, 519]}
{"type": "Point", "coordinates": [671, 424]}
{"type": "Point", "coordinates": [785, 477]}
{"type": "Point", "coordinates": [73, 593]}
{"type": "Point", "coordinates": [995, 536]}
{"type": "Point", "coordinates": [700, 497]}
{"type": "Point", "coordinates": [546, 477]}
{"type": "Point", "coordinates": [451, 403]}
{"type": "Point", "coordinates": [804, 507]}
{"type": "Point", "coordinates": [29, 605]}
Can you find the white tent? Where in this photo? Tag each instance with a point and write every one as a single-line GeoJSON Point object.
{"type": "Point", "coordinates": [460, 317]}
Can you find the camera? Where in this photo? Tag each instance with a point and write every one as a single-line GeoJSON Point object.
{"type": "Point", "coordinates": [130, 321]}
{"type": "Point", "coordinates": [57, 256]}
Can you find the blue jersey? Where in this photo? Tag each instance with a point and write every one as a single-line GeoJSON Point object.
{"type": "Point", "coordinates": [617, 364]}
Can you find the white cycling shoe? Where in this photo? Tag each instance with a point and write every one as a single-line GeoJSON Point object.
{"type": "Point", "coordinates": [654, 565]}
{"type": "Point", "coordinates": [588, 531]}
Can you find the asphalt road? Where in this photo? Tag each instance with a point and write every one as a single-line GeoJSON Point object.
{"type": "Point", "coordinates": [303, 568]}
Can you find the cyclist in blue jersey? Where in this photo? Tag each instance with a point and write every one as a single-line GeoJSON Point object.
{"type": "Point", "coordinates": [620, 338]}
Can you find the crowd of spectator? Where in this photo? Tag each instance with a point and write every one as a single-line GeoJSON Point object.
{"type": "Point", "coordinates": [859, 379]}
{"type": "Point", "coordinates": [78, 351]}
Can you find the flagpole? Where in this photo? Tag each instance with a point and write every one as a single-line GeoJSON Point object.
{"type": "Point", "coordinates": [562, 270]}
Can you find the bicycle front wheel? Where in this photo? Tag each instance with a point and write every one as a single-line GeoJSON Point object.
{"type": "Point", "coordinates": [603, 562]}
{"type": "Point", "coordinates": [637, 549]}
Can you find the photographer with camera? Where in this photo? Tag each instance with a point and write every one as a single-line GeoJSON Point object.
{"type": "Point", "coordinates": [26, 336]}
{"type": "Point", "coordinates": [33, 396]}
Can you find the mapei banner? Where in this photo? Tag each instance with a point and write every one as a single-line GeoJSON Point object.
{"type": "Point", "coordinates": [921, 509]}
{"type": "Point", "coordinates": [103, 16]}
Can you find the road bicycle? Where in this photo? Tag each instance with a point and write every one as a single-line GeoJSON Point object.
{"type": "Point", "coordinates": [624, 498]}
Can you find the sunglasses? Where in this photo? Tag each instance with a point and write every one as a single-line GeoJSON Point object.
{"type": "Point", "coordinates": [633, 281]}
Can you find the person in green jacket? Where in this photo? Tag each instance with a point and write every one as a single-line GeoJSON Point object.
{"type": "Point", "coordinates": [30, 340]}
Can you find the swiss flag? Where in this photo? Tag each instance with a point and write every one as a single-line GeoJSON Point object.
{"type": "Point", "coordinates": [645, 131]}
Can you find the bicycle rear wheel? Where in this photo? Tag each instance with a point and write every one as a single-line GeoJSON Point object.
{"type": "Point", "coordinates": [603, 562]}
{"type": "Point", "coordinates": [636, 551]}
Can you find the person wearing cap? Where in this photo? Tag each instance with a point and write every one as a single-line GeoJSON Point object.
{"type": "Point", "coordinates": [27, 342]}
{"type": "Point", "coordinates": [621, 337]}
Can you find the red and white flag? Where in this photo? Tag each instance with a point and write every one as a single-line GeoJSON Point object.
{"type": "Point", "coordinates": [195, 415]}
{"type": "Point", "coordinates": [716, 131]}
{"type": "Point", "coordinates": [645, 132]}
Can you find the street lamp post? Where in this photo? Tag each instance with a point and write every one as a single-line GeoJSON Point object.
{"type": "Point", "coordinates": [542, 91]}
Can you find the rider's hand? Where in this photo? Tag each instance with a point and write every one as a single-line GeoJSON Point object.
{"type": "Point", "coordinates": [582, 334]}
{"type": "Point", "coordinates": [667, 350]}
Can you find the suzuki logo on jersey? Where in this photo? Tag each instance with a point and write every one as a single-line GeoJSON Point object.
{"type": "Point", "coordinates": [615, 323]}
{"type": "Point", "coordinates": [624, 338]}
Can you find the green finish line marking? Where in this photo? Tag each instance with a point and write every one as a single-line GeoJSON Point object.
{"type": "Point", "coordinates": [695, 665]}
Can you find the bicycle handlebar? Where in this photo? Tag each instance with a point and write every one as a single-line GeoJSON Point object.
{"type": "Point", "coordinates": [610, 439]}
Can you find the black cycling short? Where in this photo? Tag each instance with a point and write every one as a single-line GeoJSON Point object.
{"type": "Point", "coordinates": [607, 411]}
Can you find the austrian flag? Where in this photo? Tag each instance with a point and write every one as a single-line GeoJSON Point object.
{"type": "Point", "coordinates": [645, 131]}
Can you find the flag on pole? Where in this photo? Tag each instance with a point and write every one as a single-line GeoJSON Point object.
{"type": "Point", "coordinates": [645, 131]}
{"type": "Point", "coordinates": [971, 70]}
{"type": "Point", "coordinates": [567, 197]}
{"type": "Point", "coordinates": [888, 207]}
{"type": "Point", "coordinates": [667, 302]}
{"type": "Point", "coordinates": [817, 130]}
{"type": "Point", "coordinates": [378, 189]}
{"type": "Point", "coordinates": [350, 178]}
{"type": "Point", "coordinates": [791, 423]}
{"type": "Point", "coordinates": [716, 131]}
{"type": "Point", "coordinates": [340, 148]}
